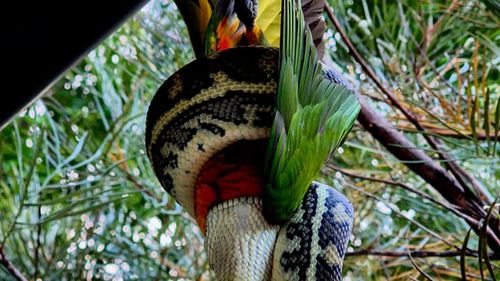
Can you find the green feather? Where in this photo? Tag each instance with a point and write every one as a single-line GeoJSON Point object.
{"type": "Point", "coordinates": [313, 117]}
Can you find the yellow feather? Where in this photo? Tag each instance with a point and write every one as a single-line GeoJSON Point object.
{"type": "Point", "coordinates": [204, 14]}
{"type": "Point", "coordinates": [268, 20]}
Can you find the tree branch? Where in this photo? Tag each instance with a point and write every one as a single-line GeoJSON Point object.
{"type": "Point", "coordinates": [424, 166]}
{"type": "Point", "coordinates": [396, 183]}
{"type": "Point", "coordinates": [417, 253]}
{"type": "Point", "coordinates": [453, 134]}
{"type": "Point", "coordinates": [11, 268]}
{"type": "Point", "coordinates": [453, 189]}
{"type": "Point", "coordinates": [448, 162]}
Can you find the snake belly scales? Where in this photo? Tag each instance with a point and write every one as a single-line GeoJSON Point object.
{"type": "Point", "coordinates": [209, 104]}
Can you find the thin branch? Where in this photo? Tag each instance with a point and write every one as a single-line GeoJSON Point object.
{"type": "Point", "coordinates": [420, 270]}
{"type": "Point", "coordinates": [452, 134]}
{"type": "Point", "coordinates": [164, 261]}
{"type": "Point", "coordinates": [471, 221]}
{"type": "Point", "coordinates": [140, 187]}
{"type": "Point", "coordinates": [423, 227]}
{"type": "Point", "coordinates": [38, 242]}
{"type": "Point", "coordinates": [446, 269]}
{"type": "Point", "coordinates": [11, 268]}
{"type": "Point", "coordinates": [417, 253]}
{"type": "Point", "coordinates": [395, 183]}
{"type": "Point", "coordinates": [431, 30]}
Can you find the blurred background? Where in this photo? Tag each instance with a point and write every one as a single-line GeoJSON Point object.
{"type": "Point", "coordinates": [79, 200]}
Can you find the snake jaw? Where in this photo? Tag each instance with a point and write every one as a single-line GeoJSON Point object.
{"type": "Point", "coordinates": [239, 241]}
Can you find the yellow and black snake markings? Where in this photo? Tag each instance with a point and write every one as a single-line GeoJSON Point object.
{"type": "Point", "coordinates": [206, 106]}
{"type": "Point", "coordinates": [311, 245]}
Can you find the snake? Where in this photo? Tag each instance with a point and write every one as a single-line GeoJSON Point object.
{"type": "Point", "coordinates": [224, 103]}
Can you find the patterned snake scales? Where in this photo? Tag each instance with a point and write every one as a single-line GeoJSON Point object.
{"type": "Point", "coordinates": [211, 104]}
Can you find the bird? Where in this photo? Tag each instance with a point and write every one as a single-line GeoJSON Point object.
{"type": "Point", "coordinates": [216, 25]}
{"type": "Point", "coordinates": [239, 135]}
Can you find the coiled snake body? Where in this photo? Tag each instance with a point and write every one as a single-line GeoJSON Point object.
{"type": "Point", "coordinates": [210, 105]}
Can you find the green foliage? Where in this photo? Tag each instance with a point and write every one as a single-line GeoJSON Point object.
{"type": "Point", "coordinates": [78, 199]}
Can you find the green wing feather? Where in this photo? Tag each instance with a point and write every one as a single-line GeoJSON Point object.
{"type": "Point", "coordinates": [313, 117]}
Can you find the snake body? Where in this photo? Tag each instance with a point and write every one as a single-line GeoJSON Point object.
{"type": "Point", "coordinates": [209, 105]}
{"type": "Point", "coordinates": [206, 106]}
